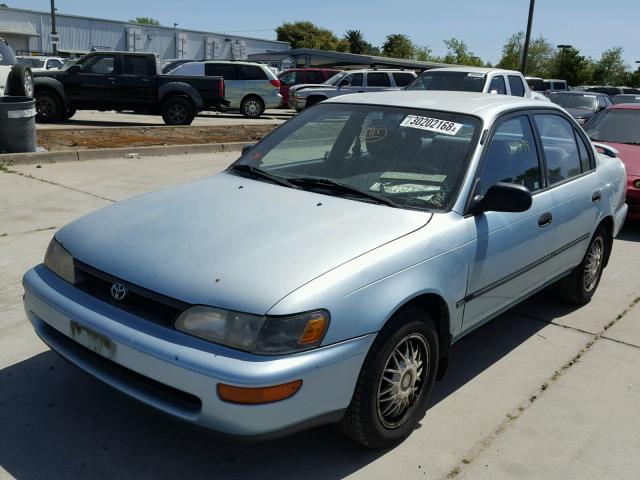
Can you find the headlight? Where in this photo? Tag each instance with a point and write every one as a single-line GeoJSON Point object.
{"type": "Point", "coordinates": [637, 184]}
{"type": "Point", "coordinates": [253, 333]}
{"type": "Point", "coordinates": [59, 261]}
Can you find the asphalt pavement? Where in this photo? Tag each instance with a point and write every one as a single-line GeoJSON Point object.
{"type": "Point", "coordinates": [545, 391]}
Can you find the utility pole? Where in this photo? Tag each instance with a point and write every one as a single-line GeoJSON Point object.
{"type": "Point", "coordinates": [53, 25]}
{"type": "Point", "coordinates": [523, 67]}
{"type": "Point", "coordinates": [562, 49]}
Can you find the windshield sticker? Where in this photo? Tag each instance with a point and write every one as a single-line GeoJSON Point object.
{"type": "Point", "coordinates": [376, 133]}
{"type": "Point", "coordinates": [431, 124]}
{"type": "Point", "coordinates": [475, 75]}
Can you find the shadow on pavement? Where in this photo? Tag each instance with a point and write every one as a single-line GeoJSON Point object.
{"type": "Point", "coordinates": [630, 231]}
{"type": "Point", "coordinates": [58, 422]}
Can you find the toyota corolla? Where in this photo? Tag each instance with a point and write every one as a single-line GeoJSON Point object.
{"type": "Point", "coordinates": [324, 276]}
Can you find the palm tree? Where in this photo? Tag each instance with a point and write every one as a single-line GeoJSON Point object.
{"type": "Point", "coordinates": [356, 41]}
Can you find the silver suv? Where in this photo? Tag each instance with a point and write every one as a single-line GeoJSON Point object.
{"type": "Point", "coordinates": [15, 79]}
{"type": "Point", "coordinates": [355, 81]}
{"type": "Point", "coordinates": [249, 87]}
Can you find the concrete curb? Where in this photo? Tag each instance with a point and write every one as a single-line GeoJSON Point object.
{"type": "Point", "coordinates": [9, 159]}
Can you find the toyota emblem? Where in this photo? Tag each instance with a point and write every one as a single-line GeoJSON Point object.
{"type": "Point", "coordinates": [118, 291]}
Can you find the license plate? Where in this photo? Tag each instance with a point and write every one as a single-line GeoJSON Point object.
{"type": "Point", "coordinates": [93, 340]}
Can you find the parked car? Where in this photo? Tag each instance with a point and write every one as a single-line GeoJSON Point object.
{"type": "Point", "coordinates": [609, 90]}
{"type": "Point", "coordinates": [15, 79]}
{"type": "Point", "coordinates": [124, 81]}
{"type": "Point", "coordinates": [555, 84]}
{"type": "Point", "coordinates": [250, 87]}
{"type": "Point", "coordinates": [619, 127]}
{"type": "Point", "coordinates": [354, 81]}
{"type": "Point", "coordinates": [536, 84]}
{"type": "Point", "coordinates": [39, 64]}
{"type": "Point", "coordinates": [408, 225]}
{"type": "Point", "coordinates": [476, 79]}
{"type": "Point", "coordinates": [302, 76]}
{"type": "Point", "coordinates": [581, 105]}
{"type": "Point", "coordinates": [625, 98]}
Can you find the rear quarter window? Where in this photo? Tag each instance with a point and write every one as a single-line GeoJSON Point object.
{"type": "Point", "coordinates": [403, 79]}
{"type": "Point", "coordinates": [250, 72]}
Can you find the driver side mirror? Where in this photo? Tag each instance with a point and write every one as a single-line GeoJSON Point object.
{"type": "Point", "coordinates": [74, 69]}
{"type": "Point", "coordinates": [344, 83]}
{"type": "Point", "coordinates": [503, 197]}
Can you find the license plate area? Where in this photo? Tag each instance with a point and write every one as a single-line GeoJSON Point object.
{"type": "Point", "coordinates": [92, 340]}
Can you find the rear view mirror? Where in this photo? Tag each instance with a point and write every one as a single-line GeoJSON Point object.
{"type": "Point", "coordinates": [504, 197]}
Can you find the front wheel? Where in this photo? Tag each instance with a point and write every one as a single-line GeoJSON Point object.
{"type": "Point", "coordinates": [49, 107]}
{"type": "Point", "coordinates": [579, 286]}
{"type": "Point", "coordinates": [178, 111]}
{"type": "Point", "coordinates": [252, 107]}
{"type": "Point", "coordinates": [395, 382]}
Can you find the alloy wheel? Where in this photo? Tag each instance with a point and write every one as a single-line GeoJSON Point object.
{"type": "Point", "coordinates": [593, 264]}
{"type": "Point", "coordinates": [252, 108]}
{"type": "Point", "coordinates": [28, 84]}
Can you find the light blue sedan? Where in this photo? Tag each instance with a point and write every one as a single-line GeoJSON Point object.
{"type": "Point", "coordinates": [324, 276]}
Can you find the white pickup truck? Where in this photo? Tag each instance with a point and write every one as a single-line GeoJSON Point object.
{"type": "Point", "coordinates": [476, 79]}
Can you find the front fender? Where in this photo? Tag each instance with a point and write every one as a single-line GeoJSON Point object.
{"type": "Point", "coordinates": [184, 88]}
{"type": "Point", "coordinates": [53, 84]}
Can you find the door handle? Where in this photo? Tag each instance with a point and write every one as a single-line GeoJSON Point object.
{"type": "Point", "coordinates": [597, 195]}
{"type": "Point", "coordinates": [545, 220]}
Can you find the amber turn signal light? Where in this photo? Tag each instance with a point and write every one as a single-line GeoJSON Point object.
{"type": "Point", "coordinates": [313, 331]}
{"type": "Point", "coordinates": [253, 396]}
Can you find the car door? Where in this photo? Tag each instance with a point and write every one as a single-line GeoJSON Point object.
{"type": "Point", "coordinates": [574, 186]}
{"type": "Point", "coordinates": [511, 248]}
{"type": "Point", "coordinates": [95, 83]}
{"type": "Point", "coordinates": [516, 87]}
{"type": "Point", "coordinates": [352, 83]}
{"type": "Point", "coordinates": [136, 81]}
{"type": "Point", "coordinates": [233, 83]}
{"type": "Point", "coordinates": [377, 81]}
{"type": "Point", "coordinates": [497, 85]}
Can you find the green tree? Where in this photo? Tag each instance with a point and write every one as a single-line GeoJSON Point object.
{"type": "Point", "coordinates": [510, 59]}
{"type": "Point", "coordinates": [397, 45]}
{"type": "Point", "coordinates": [356, 41]}
{"type": "Point", "coordinates": [422, 53]}
{"type": "Point", "coordinates": [576, 69]}
{"type": "Point", "coordinates": [458, 53]}
{"type": "Point", "coordinates": [146, 21]}
{"type": "Point", "coordinates": [611, 69]}
{"type": "Point", "coordinates": [540, 58]}
{"type": "Point", "coordinates": [304, 34]}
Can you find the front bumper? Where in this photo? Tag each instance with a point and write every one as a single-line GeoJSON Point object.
{"type": "Point", "coordinates": [178, 374]}
{"type": "Point", "coordinates": [633, 199]}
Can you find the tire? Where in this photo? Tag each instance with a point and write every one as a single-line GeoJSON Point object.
{"type": "Point", "coordinates": [380, 423]}
{"type": "Point", "coordinates": [49, 107]}
{"type": "Point", "coordinates": [20, 81]}
{"type": "Point", "coordinates": [69, 113]}
{"type": "Point", "coordinates": [579, 286]}
{"type": "Point", "coordinates": [311, 101]}
{"type": "Point", "coordinates": [252, 107]}
{"type": "Point", "coordinates": [178, 111]}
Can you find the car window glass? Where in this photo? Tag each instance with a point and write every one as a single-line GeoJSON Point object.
{"type": "Point", "coordinates": [224, 70]}
{"type": "Point", "coordinates": [354, 80]}
{"type": "Point", "coordinates": [497, 84]}
{"type": "Point", "coordinates": [136, 65]}
{"type": "Point", "coordinates": [289, 78]}
{"type": "Point", "coordinates": [250, 72]}
{"type": "Point", "coordinates": [585, 161]}
{"type": "Point", "coordinates": [601, 102]}
{"type": "Point", "coordinates": [53, 63]}
{"type": "Point", "coordinates": [378, 79]}
{"type": "Point", "coordinates": [517, 89]}
{"type": "Point", "coordinates": [559, 145]}
{"type": "Point", "coordinates": [189, 69]}
{"type": "Point", "coordinates": [616, 126]}
{"type": "Point", "coordinates": [403, 79]}
{"type": "Point", "coordinates": [314, 77]}
{"type": "Point", "coordinates": [103, 65]}
{"type": "Point", "coordinates": [512, 157]}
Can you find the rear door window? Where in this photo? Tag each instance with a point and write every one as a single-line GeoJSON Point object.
{"type": "Point", "coordinates": [560, 148]}
{"type": "Point", "coordinates": [378, 79]}
{"type": "Point", "coordinates": [136, 65]}
{"type": "Point", "coordinates": [224, 70]}
{"type": "Point", "coordinates": [517, 88]}
{"type": "Point", "coordinates": [403, 79]}
{"type": "Point", "coordinates": [497, 84]}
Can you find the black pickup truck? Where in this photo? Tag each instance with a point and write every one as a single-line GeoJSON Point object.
{"type": "Point", "coordinates": [124, 81]}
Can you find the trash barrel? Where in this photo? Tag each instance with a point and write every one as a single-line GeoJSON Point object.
{"type": "Point", "coordinates": [17, 124]}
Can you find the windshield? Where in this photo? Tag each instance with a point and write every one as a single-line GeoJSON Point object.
{"type": "Point", "coordinates": [572, 100]}
{"type": "Point", "coordinates": [616, 126]}
{"type": "Point", "coordinates": [452, 81]}
{"type": "Point", "coordinates": [625, 99]}
{"type": "Point", "coordinates": [32, 62]}
{"type": "Point", "coordinates": [335, 79]}
{"type": "Point", "coordinates": [411, 158]}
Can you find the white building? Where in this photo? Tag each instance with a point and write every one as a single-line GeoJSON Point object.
{"type": "Point", "coordinates": [27, 31]}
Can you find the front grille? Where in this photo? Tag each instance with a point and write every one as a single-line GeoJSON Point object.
{"type": "Point", "coordinates": [139, 301]}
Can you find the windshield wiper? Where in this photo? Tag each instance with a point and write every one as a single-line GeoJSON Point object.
{"type": "Point", "coordinates": [256, 172]}
{"type": "Point", "coordinates": [329, 184]}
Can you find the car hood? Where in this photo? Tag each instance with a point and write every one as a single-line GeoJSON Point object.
{"type": "Point", "coordinates": [629, 154]}
{"type": "Point", "coordinates": [232, 242]}
{"type": "Point", "coordinates": [316, 86]}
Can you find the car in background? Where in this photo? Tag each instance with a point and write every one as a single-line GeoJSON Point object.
{"type": "Point", "coordinates": [555, 84]}
{"type": "Point", "coordinates": [625, 98]}
{"type": "Point", "coordinates": [609, 90]}
{"type": "Point", "coordinates": [476, 79]}
{"type": "Point", "coordinates": [581, 105]}
{"type": "Point", "coordinates": [536, 84]}
{"type": "Point", "coordinates": [15, 79]}
{"type": "Point", "coordinates": [40, 64]}
{"type": "Point", "coordinates": [411, 218]}
{"type": "Point", "coordinates": [619, 127]}
{"type": "Point", "coordinates": [303, 76]}
{"type": "Point", "coordinates": [250, 87]}
{"type": "Point", "coordinates": [353, 81]}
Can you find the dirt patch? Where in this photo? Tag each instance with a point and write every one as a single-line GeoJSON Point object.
{"type": "Point", "coordinates": [66, 139]}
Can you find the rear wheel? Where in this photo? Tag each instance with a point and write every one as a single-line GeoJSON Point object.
{"type": "Point", "coordinates": [395, 382]}
{"type": "Point", "coordinates": [178, 111]}
{"type": "Point", "coordinates": [579, 286]}
{"type": "Point", "coordinates": [20, 81]}
{"type": "Point", "coordinates": [252, 107]}
{"type": "Point", "coordinates": [49, 107]}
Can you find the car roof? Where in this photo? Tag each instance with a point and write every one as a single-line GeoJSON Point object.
{"type": "Point", "coordinates": [472, 70]}
{"type": "Point", "coordinates": [483, 105]}
{"type": "Point", "coordinates": [625, 106]}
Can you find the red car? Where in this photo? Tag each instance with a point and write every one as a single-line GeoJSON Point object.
{"type": "Point", "coordinates": [619, 127]}
{"type": "Point", "coordinates": [297, 76]}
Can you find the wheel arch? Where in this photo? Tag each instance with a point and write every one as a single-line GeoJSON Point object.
{"type": "Point", "coordinates": [52, 85]}
{"type": "Point", "coordinates": [607, 224]}
{"type": "Point", "coordinates": [178, 89]}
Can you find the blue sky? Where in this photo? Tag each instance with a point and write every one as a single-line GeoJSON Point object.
{"type": "Point", "coordinates": [483, 25]}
